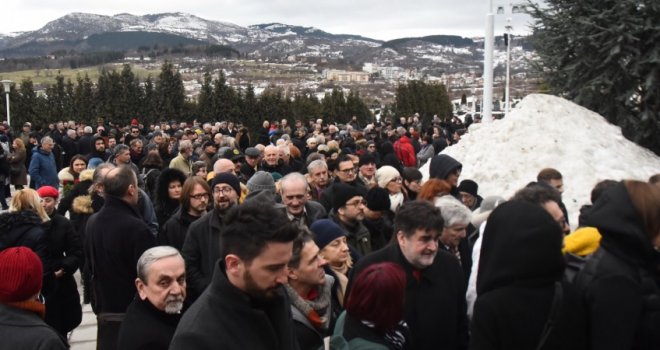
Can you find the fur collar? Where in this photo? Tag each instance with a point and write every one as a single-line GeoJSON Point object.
{"type": "Point", "coordinates": [83, 205]}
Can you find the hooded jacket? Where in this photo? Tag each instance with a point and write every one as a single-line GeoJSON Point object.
{"type": "Point", "coordinates": [520, 262]}
{"type": "Point", "coordinates": [617, 283]}
{"type": "Point", "coordinates": [165, 206]}
{"type": "Point", "coordinates": [405, 151]}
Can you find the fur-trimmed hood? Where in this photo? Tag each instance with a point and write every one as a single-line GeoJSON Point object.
{"type": "Point", "coordinates": [166, 176]}
{"type": "Point", "coordinates": [86, 175]}
{"type": "Point", "coordinates": [83, 205]}
{"type": "Point", "coordinates": [65, 175]}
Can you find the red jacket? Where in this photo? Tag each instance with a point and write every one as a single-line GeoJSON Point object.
{"type": "Point", "coordinates": [405, 151]}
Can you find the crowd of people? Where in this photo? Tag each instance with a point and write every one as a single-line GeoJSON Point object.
{"type": "Point", "coordinates": [311, 236]}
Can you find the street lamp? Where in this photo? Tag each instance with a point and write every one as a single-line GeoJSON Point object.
{"type": "Point", "coordinates": [7, 86]}
{"type": "Point", "coordinates": [487, 110]}
{"type": "Point", "coordinates": [508, 64]}
{"type": "Point", "coordinates": [487, 114]}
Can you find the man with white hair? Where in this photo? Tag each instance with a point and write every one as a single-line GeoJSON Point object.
{"type": "Point", "coordinates": [86, 142]}
{"type": "Point", "coordinates": [182, 161]}
{"type": "Point", "coordinates": [152, 317]}
{"type": "Point", "coordinates": [317, 175]}
{"type": "Point", "coordinates": [293, 189]}
{"type": "Point", "coordinates": [43, 169]}
{"type": "Point", "coordinates": [272, 163]}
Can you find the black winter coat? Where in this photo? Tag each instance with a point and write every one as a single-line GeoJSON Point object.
{"type": "Point", "coordinates": [146, 328]}
{"type": "Point", "coordinates": [225, 317]}
{"type": "Point", "coordinates": [520, 262]}
{"type": "Point", "coordinates": [617, 282]}
{"type": "Point", "coordinates": [117, 237]}
{"type": "Point", "coordinates": [435, 308]}
{"type": "Point", "coordinates": [201, 251]}
{"type": "Point", "coordinates": [25, 229]}
{"type": "Point", "coordinates": [63, 311]}
{"type": "Point", "coordinates": [173, 233]}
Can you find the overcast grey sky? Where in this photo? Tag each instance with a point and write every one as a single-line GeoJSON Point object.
{"type": "Point", "coordinates": [378, 19]}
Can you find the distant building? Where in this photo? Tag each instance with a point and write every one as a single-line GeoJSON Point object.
{"type": "Point", "coordinates": [346, 76]}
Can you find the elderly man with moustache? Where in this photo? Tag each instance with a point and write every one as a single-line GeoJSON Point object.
{"type": "Point", "coordinates": [152, 317]}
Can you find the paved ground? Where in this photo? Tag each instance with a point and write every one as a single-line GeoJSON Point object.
{"type": "Point", "coordinates": [84, 337]}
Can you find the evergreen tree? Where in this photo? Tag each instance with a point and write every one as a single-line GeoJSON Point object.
{"type": "Point", "coordinates": [169, 93]}
{"type": "Point", "coordinates": [604, 54]}
{"type": "Point", "coordinates": [25, 106]}
{"type": "Point", "coordinates": [108, 96]}
{"type": "Point", "coordinates": [149, 105]}
{"type": "Point", "coordinates": [83, 100]}
{"type": "Point", "coordinates": [250, 111]}
{"type": "Point", "coordinates": [205, 98]}
{"type": "Point", "coordinates": [57, 99]}
{"type": "Point", "coordinates": [131, 96]}
{"type": "Point", "coordinates": [425, 99]}
{"type": "Point", "coordinates": [356, 107]}
{"type": "Point", "coordinates": [224, 99]}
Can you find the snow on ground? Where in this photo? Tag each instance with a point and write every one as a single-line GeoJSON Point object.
{"type": "Point", "coordinates": [548, 131]}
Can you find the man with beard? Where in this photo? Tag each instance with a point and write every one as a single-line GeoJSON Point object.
{"type": "Point", "coordinates": [434, 306]}
{"type": "Point", "coordinates": [201, 248]}
{"type": "Point", "coordinates": [367, 170]}
{"type": "Point", "coordinates": [195, 195]}
{"type": "Point", "coordinates": [345, 172]}
{"type": "Point", "coordinates": [244, 307]}
{"type": "Point", "coordinates": [151, 319]}
{"type": "Point", "coordinates": [99, 149]}
{"type": "Point", "coordinates": [348, 212]}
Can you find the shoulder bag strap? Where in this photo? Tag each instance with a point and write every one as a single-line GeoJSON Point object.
{"type": "Point", "coordinates": [555, 309]}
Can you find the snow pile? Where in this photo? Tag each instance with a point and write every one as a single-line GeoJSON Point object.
{"type": "Point", "coordinates": [548, 131]}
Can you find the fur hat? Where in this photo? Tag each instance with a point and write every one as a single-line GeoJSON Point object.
{"type": "Point", "coordinates": [22, 273]}
{"type": "Point", "coordinates": [261, 180]}
{"type": "Point", "coordinates": [342, 193]}
{"type": "Point", "coordinates": [229, 179]}
{"type": "Point", "coordinates": [469, 186]}
{"type": "Point", "coordinates": [378, 199]}
{"type": "Point", "coordinates": [48, 191]}
{"type": "Point", "coordinates": [326, 231]}
{"type": "Point", "coordinates": [385, 174]}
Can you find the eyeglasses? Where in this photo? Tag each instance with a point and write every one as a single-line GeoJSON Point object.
{"type": "Point", "coordinates": [348, 171]}
{"type": "Point", "coordinates": [200, 196]}
{"type": "Point", "coordinates": [397, 179]}
{"type": "Point", "coordinates": [357, 203]}
{"type": "Point", "coordinates": [224, 190]}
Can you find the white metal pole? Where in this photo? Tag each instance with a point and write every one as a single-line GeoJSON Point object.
{"type": "Point", "coordinates": [8, 117]}
{"type": "Point", "coordinates": [487, 111]}
{"type": "Point", "coordinates": [508, 64]}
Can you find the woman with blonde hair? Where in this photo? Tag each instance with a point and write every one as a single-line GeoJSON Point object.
{"type": "Point", "coordinates": [23, 225]}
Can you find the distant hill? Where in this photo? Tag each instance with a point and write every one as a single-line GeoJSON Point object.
{"type": "Point", "coordinates": [132, 40]}
{"type": "Point", "coordinates": [446, 40]}
{"type": "Point", "coordinates": [85, 33]}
